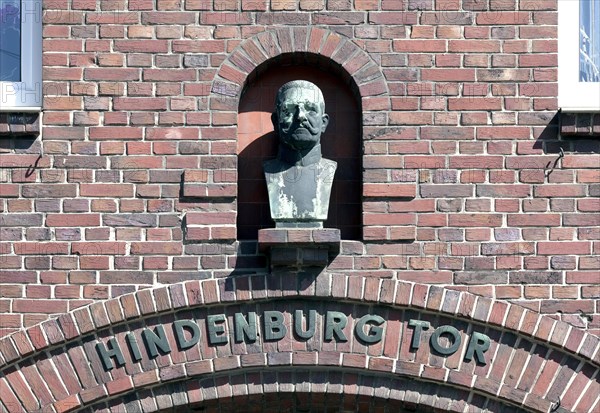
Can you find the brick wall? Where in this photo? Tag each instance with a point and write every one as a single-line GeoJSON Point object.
{"type": "Point", "coordinates": [466, 184]}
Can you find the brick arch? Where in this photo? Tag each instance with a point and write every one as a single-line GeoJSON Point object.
{"type": "Point", "coordinates": [53, 363]}
{"type": "Point", "coordinates": [257, 50]}
{"type": "Point", "coordinates": [281, 389]}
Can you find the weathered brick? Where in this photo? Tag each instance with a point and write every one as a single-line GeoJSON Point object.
{"type": "Point", "coordinates": [73, 220]}
{"type": "Point", "coordinates": [389, 190]}
{"type": "Point", "coordinates": [156, 248]}
{"type": "Point", "coordinates": [129, 220]}
{"type": "Point", "coordinates": [49, 190]}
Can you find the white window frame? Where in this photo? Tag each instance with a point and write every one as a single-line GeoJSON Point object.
{"type": "Point", "coordinates": [26, 95]}
{"type": "Point", "coordinates": [573, 96]}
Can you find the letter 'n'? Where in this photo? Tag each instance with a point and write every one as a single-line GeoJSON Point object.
{"type": "Point", "coordinates": [245, 330]}
{"type": "Point", "coordinates": [156, 339]}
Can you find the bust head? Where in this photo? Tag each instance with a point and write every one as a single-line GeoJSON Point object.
{"type": "Point", "coordinates": [299, 116]}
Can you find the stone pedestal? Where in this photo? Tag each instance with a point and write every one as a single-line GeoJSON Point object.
{"type": "Point", "coordinates": [300, 247]}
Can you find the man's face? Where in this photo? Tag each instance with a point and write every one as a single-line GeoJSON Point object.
{"type": "Point", "coordinates": [300, 121]}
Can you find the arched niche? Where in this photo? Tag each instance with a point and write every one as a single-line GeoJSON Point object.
{"type": "Point", "coordinates": [341, 142]}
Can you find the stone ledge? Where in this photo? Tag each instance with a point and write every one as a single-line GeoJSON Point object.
{"type": "Point", "coordinates": [580, 124]}
{"type": "Point", "coordinates": [300, 246]}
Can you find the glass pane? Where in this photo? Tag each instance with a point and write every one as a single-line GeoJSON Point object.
{"type": "Point", "coordinates": [589, 41]}
{"type": "Point", "coordinates": [10, 40]}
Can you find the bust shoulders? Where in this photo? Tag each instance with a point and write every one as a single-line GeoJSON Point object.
{"type": "Point", "coordinates": [275, 165]}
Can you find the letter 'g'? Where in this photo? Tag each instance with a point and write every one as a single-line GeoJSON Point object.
{"type": "Point", "coordinates": [375, 332]}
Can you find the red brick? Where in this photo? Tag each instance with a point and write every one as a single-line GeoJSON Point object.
{"type": "Point", "coordinates": [389, 219]}
{"type": "Point", "coordinates": [389, 190]}
{"type": "Point", "coordinates": [581, 161]}
{"type": "Point", "coordinates": [475, 220]}
{"type": "Point", "coordinates": [191, 133]}
{"type": "Point", "coordinates": [223, 233]}
{"type": "Point", "coordinates": [533, 220]}
{"type": "Point", "coordinates": [106, 190]}
{"type": "Point", "coordinates": [498, 18]}
{"type": "Point", "coordinates": [205, 46]}
{"type": "Point", "coordinates": [24, 161]}
{"type": "Point", "coordinates": [40, 248]}
{"type": "Point", "coordinates": [474, 46]}
{"type": "Point", "coordinates": [142, 103]}
{"type": "Point", "coordinates": [98, 248]}
{"type": "Point", "coordinates": [141, 46]}
{"type": "Point", "coordinates": [503, 132]}
{"type": "Point", "coordinates": [474, 103]}
{"type": "Point", "coordinates": [119, 385]}
{"type": "Point", "coordinates": [562, 191]}
{"type": "Point", "coordinates": [53, 306]}
{"type": "Point", "coordinates": [73, 220]}
{"type": "Point", "coordinates": [156, 248]}
{"type": "Point", "coordinates": [563, 248]}
{"type": "Point", "coordinates": [67, 404]}
{"type": "Point", "coordinates": [419, 46]}
{"type": "Point", "coordinates": [197, 233]}
{"type": "Point", "coordinates": [420, 162]}
{"type": "Point", "coordinates": [448, 75]}
{"type": "Point", "coordinates": [210, 218]}
{"type": "Point", "coordinates": [583, 277]}
{"type": "Point", "coordinates": [111, 74]}
{"type": "Point", "coordinates": [482, 162]}
{"type": "Point", "coordinates": [538, 60]}
{"type": "Point", "coordinates": [114, 132]}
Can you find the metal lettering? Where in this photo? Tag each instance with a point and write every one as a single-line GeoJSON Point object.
{"type": "Point", "coordinates": [375, 332]}
{"type": "Point", "coordinates": [419, 326]}
{"type": "Point", "coordinates": [179, 328]}
{"type": "Point", "coordinates": [155, 340]}
{"type": "Point", "coordinates": [335, 322]}
{"type": "Point", "coordinates": [274, 327]}
{"type": "Point", "coordinates": [134, 348]}
{"type": "Point", "coordinates": [368, 329]}
{"type": "Point", "coordinates": [245, 330]}
{"type": "Point", "coordinates": [478, 344]}
{"type": "Point", "coordinates": [435, 340]}
{"type": "Point", "coordinates": [216, 332]}
{"type": "Point", "coordinates": [107, 353]}
{"type": "Point", "coordinates": [310, 324]}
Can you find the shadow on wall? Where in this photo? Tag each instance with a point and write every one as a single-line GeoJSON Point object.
{"type": "Point", "coordinates": [550, 141]}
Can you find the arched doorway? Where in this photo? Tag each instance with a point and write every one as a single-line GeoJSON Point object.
{"type": "Point", "coordinates": [257, 142]}
{"type": "Point", "coordinates": [283, 390]}
{"type": "Point", "coordinates": [165, 354]}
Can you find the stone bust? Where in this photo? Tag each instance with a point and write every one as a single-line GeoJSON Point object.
{"type": "Point", "coordinates": [299, 180]}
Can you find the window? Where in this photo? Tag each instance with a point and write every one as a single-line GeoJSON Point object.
{"type": "Point", "coordinates": [20, 55]}
{"type": "Point", "coordinates": [579, 55]}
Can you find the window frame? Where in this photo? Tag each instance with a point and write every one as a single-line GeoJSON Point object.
{"type": "Point", "coordinates": [26, 95]}
{"type": "Point", "coordinates": [573, 95]}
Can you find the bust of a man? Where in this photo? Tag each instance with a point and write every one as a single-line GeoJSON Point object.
{"type": "Point", "coordinates": [299, 180]}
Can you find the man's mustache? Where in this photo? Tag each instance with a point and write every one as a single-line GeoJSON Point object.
{"type": "Point", "coordinates": [305, 125]}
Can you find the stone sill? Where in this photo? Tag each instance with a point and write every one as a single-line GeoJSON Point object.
{"type": "Point", "coordinates": [19, 124]}
{"type": "Point", "coordinates": [581, 125]}
{"type": "Point", "coordinates": [300, 247]}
